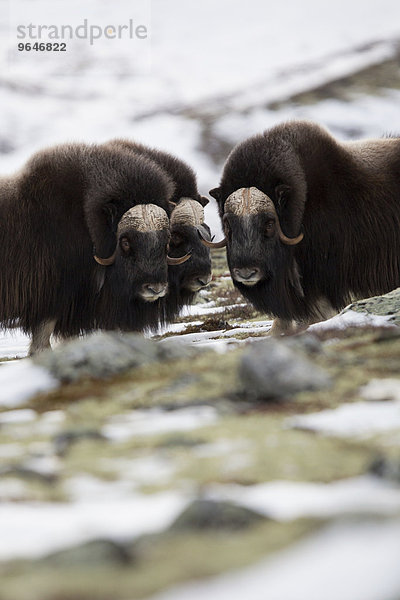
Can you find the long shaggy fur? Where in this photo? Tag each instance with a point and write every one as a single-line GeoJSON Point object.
{"type": "Point", "coordinates": [59, 210]}
{"type": "Point", "coordinates": [344, 197]}
{"type": "Point", "coordinates": [184, 239]}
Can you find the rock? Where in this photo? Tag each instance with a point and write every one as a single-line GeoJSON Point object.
{"type": "Point", "coordinates": [209, 514]}
{"type": "Point", "coordinates": [307, 342]}
{"type": "Point", "coordinates": [386, 468]}
{"type": "Point", "coordinates": [64, 440]}
{"type": "Point", "coordinates": [93, 553]}
{"type": "Point", "coordinates": [174, 349]}
{"type": "Point", "coordinates": [272, 369]}
{"type": "Point", "coordinates": [27, 473]}
{"type": "Point", "coordinates": [99, 355]}
{"type": "Point", "coordinates": [388, 304]}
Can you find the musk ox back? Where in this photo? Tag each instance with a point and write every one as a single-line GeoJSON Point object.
{"type": "Point", "coordinates": [78, 223]}
{"type": "Point", "coordinates": [310, 223]}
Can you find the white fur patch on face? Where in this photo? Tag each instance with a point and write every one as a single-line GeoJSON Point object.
{"type": "Point", "coordinates": [144, 217]}
{"type": "Point", "coordinates": [248, 201]}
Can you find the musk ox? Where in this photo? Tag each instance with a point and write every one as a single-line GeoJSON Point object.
{"type": "Point", "coordinates": [187, 221]}
{"type": "Point", "coordinates": [310, 223]}
{"type": "Point", "coordinates": [82, 224]}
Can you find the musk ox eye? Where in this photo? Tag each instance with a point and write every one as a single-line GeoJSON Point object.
{"type": "Point", "coordinates": [125, 245]}
{"type": "Point", "coordinates": [270, 226]}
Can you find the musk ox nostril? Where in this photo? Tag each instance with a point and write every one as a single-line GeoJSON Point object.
{"type": "Point", "coordinates": [247, 275]}
{"type": "Point", "coordinates": [204, 280]}
{"type": "Point", "coordinates": [154, 290]}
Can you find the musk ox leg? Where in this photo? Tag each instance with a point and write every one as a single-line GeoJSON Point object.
{"type": "Point", "coordinates": [286, 327]}
{"type": "Point", "coordinates": [41, 337]}
{"type": "Point", "coordinates": [323, 310]}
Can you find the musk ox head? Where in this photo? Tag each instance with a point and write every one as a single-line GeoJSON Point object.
{"type": "Point", "coordinates": [139, 264]}
{"type": "Point", "coordinates": [187, 220]}
{"type": "Point", "coordinates": [257, 247]}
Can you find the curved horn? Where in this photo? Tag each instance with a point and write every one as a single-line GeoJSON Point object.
{"type": "Point", "coordinates": [205, 242]}
{"type": "Point", "coordinates": [105, 262]}
{"type": "Point", "coordinates": [178, 260]}
{"type": "Point", "coordinates": [144, 217]}
{"type": "Point", "coordinates": [251, 201]}
{"type": "Point", "coordinates": [187, 212]}
{"type": "Point", "coordinates": [284, 239]}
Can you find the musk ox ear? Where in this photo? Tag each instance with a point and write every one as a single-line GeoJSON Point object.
{"type": "Point", "coordinates": [282, 194]}
{"type": "Point", "coordinates": [204, 200]}
{"type": "Point", "coordinates": [215, 193]}
{"type": "Point", "coordinates": [205, 232]}
{"type": "Point", "coordinates": [102, 220]}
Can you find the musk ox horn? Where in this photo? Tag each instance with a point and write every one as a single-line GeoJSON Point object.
{"type": "Point", "coordinates": [209, 244]}
{"type": "Point", "coordinates": [178, 260]}
{"type": "Point", "coordinates": [191, 212]}
{"type": "Point", "coordinates": [144, 218]}
{"type": "Point", "coordinates": [105, 262]}
{"type": "Point", "coordinates": [252, 201]}
{"type": "Point", "coordinates": [187, 212]}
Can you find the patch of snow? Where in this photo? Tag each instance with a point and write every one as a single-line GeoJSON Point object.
{"type": "Point", "coordinates": [87, 488]}
{"type": "Point", "coordinates": [14, 344]}
{"type": "Point", "coordinates": [145, 470]}
{"type": "Point", "coordinates": [381, 389]}
{"type": "Point", "coordinates": [157, 421]}
{"type": "Point", "coordinates": [22, 380]}
{"type": "Point", "coordinates": [351, 318]}
{"type": "Point", "coordinates": [207, 309]}
{"type": "Point", "coordinates": [358, 419]}
{"type": "Point", "coordinates": [175, 327]}
{"type": "Point", "coordinates": [350, 561]}
{"type": "Point", "coordinates": [25, 415]}
{"type": "Point", "coordinates": [205, 337]}
{"type": "Point", "coordinates": [288, 500]}
{"type": "Point", "coordinates": [34, 529]}
{"type": "Point", "coordinates": [45, 465]}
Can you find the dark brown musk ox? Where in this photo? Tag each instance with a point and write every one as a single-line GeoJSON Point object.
{"type": "Point", "coordinates": [310, 223]}
{"type": "Point", "coordinates": [80, 223]}
{"type": "Point", "coordinates": [187, 221]}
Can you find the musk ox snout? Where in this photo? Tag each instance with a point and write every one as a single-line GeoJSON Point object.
{"type": "Point", "coordinates": [150, 292]}
{"type": "Point", "coordinates": [200, 281]}
{"type": "Point", "coordinates": [247, 276]}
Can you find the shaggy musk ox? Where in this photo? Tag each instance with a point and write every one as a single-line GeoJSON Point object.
{"type": "Point", "coordinates": [310, 223]}
{"type": "Point", "coordinates": [186, 223]}
{"type": "Point", "coordinates": [83, 240]}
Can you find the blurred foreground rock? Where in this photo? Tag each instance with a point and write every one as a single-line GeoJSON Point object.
{"type": "Point", "coordinates": [104, 354]}
{"type": "Point", "coordinates": [210, 514]}
{"type": "Point", "coordinates": [275, 368]}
